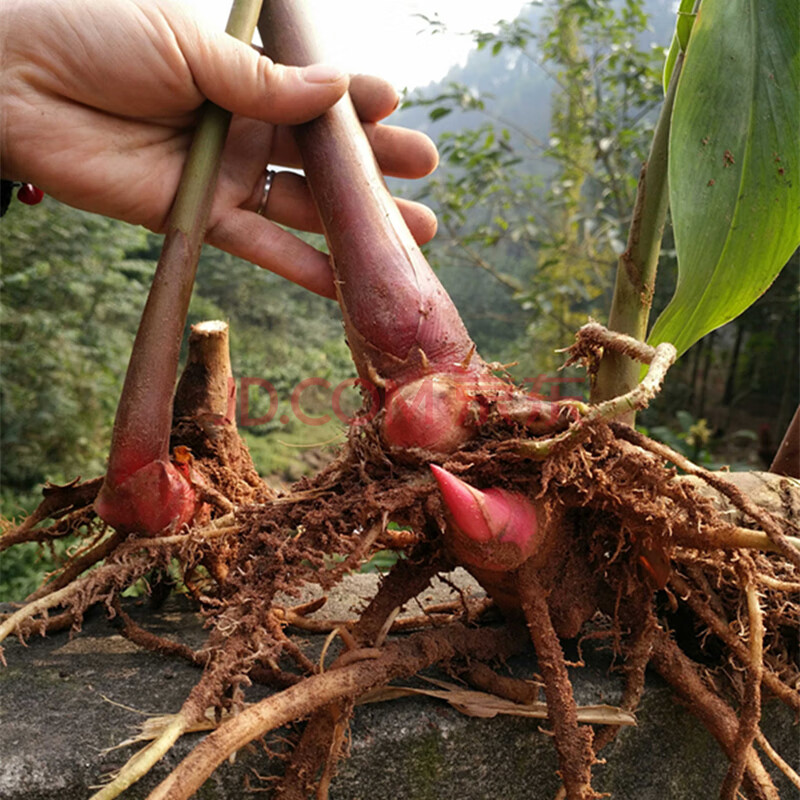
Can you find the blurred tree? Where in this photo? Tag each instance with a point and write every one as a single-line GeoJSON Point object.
{"type": "Point", "coordinates": [547, 221]}
{"type": "Point", "coordinates": [71, 298]}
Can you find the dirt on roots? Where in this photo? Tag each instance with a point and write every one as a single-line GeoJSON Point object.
{"type": "Point", "coordinates": [629, 544]}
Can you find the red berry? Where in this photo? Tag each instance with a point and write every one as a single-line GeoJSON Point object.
{"type": "Point", "coordinates": [29, 194]}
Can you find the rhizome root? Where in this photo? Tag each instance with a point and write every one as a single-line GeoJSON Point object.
{"type": "Point", "coordinates": [638, 550]}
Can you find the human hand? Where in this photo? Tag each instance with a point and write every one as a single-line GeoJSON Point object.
{"type": "Point", "coordinates": [100, 98]}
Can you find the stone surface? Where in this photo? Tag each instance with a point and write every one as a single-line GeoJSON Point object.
{"type": "Point", "coordinates": [65, 700]}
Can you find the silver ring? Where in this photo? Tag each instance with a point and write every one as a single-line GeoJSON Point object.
{"type": "Point", "coordinates": [268, 178]}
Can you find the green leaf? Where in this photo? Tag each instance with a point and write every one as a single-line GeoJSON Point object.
{"type": "Point", "coordinates": [680, 39]}
{"type": "Point", "coordinates": [734, 164]}
{"type": "Point", "coordinates": [440, 112]}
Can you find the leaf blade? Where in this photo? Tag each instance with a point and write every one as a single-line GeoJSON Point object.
{"type": "Point", "coordinates": [734, 162]}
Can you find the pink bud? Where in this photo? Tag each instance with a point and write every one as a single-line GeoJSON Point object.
{"type": "Point", "coordinates": [428, 413]}
{"type": "Point", "coordinates": [492, 529]}
{"type": "Point", "coordinates": [154, 498]}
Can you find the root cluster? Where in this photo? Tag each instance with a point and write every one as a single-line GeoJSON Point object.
{"type": "Point", "coordinates": [655, 560]}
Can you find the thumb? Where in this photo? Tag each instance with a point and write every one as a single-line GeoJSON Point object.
{"type": "Point", "coordinates": [237, 77]}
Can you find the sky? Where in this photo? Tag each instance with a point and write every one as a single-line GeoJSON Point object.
{"type": "Point", "coordinates": [382, 37]}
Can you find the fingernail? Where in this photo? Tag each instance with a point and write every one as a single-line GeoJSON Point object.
{"type": "Point", "coordinates": [322, 73]}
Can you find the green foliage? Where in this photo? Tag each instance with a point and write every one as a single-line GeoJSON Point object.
{"type": "Point", "coordinates": [765, 369]}
{"type": "Point", "coordinates": [607, 87]}
{"type": "Point", "coordinates": [71, 298]}
{"type": "Point", "coordinates": [543, 216]}
{"type": "Point", "coordinates": [23, 570]}
{"type": "Point", "coordinates": [547, 222]}
{"type": "Point", "coordinates": [734, 162]}
{"type": "Point", "coordinates": [689, 436]}
{"type": "Point", "coordinates": [26, 565]}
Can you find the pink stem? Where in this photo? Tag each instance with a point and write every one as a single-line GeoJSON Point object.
{"type": "Point", "coordinates": [143, 491]}
{"type": "Point", "coordinates": [144, 415]}
{"type": "Point", "coordinates": [397, 314]}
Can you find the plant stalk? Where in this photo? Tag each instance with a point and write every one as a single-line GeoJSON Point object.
{"type": "Point", "coordinates": [412, 351]}
{"type": "Point", "coordinates": [398, 317]}
{"type": "Point", "coordinates": [144, 414]}
{"type": "Point", "coordinates": [636, 269]}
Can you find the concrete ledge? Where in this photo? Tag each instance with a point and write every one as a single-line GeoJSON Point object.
{"type": "Point", "coordinates": [64, 700]}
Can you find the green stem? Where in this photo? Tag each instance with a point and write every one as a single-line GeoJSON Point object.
{"type": "Point", "coordinates": [636, 270]}
{"type": "Point", "coordinates": [144, 415]}
{"type": "Point", "coordinates": [196, 190]}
